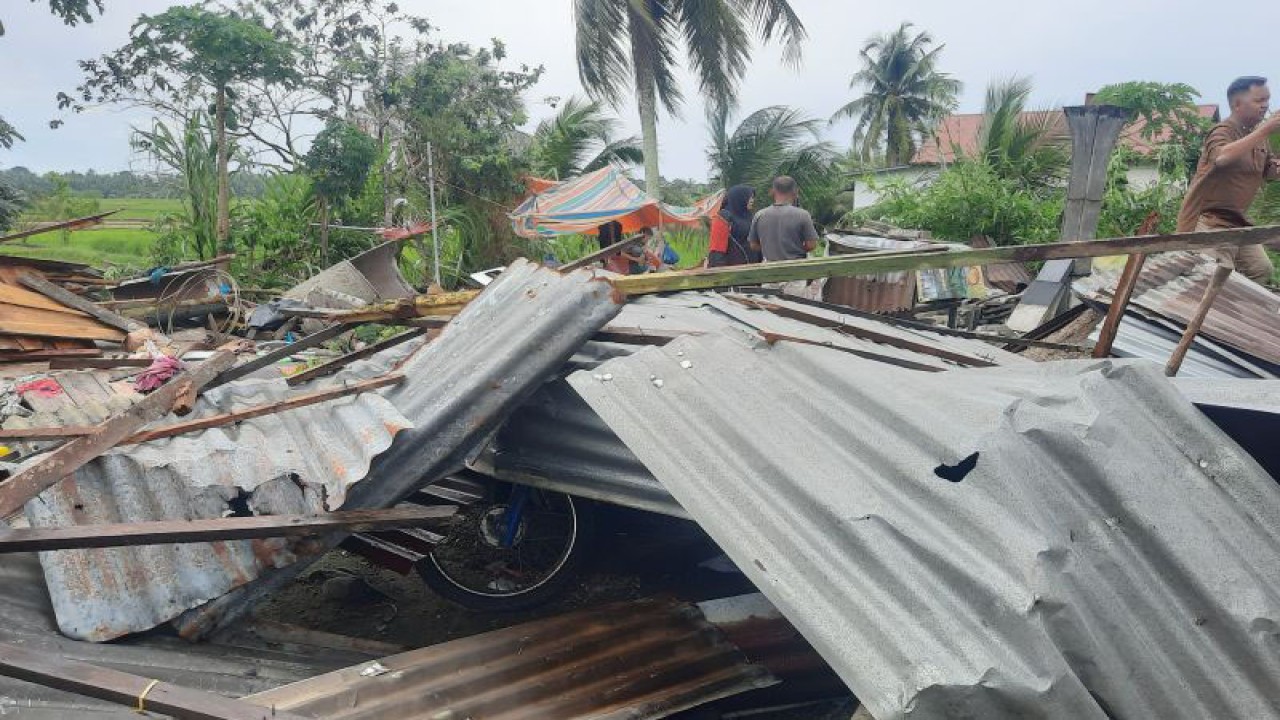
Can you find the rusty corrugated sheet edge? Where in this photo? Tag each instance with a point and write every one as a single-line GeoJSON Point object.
{"type": "Point", "coordinates": [1034, 585]}
{"type": "Point", "coordinates": [514, 336]}
{"type": "Point", "coordinates": [636, 660]}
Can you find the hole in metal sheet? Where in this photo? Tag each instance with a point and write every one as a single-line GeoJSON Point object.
{"type": "Point", "coordinates": [959, 471]}
{"type": "Point", "coordinates": [240, 503]}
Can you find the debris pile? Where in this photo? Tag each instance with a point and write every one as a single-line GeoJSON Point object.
{"type": "Point", "coordinates": [944, 525]}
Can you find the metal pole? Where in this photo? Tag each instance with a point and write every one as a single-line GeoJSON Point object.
{"type": "Point", "coordinates": [435, 224]}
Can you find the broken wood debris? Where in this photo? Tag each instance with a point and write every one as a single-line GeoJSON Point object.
{"type": "Point", "coordinates": [334, 366]}
{"type": "Point", "coordinates": [166, 532]}
{"type": "Point", "coordinates": [141, 693]}
{"type": "Point", "coordinates": [31, 481]}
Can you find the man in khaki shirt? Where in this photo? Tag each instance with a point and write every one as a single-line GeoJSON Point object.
{"type": "Point", "coordinates": [1235, 162]}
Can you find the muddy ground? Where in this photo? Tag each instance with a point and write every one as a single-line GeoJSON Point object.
{"type": "Point", "coordinates": [635, 555]}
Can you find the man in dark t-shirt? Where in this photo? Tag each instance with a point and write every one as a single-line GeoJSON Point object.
{"type": "Point", "coordinates": [783, 231]}
{"type": "Point", "coordinates": [1235, 162]}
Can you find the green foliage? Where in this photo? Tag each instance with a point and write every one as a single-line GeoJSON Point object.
{"type": "Point", "coordinates": [71, 11]}
{"type": "Point", "coordinates": [121, 251]}
{"type": "Point", "coordinates": [1125, 208]}
{"type": "Point", "coordinates": [60, 203]}
{"type": "Point", "coordinates": [683, 192]}
{"type": "Point", "coordinates": [971, 199]}
{"type": "Point", "coordinates": [339, 161]}
{"type": "Point", "coordinates": [1171, 122]}
{"type": "Point", "coordinates": [1026, 148]}
{"type": "Point", "coordinates": [905, 95]}
{"type": "Point", "coordinates": [8, 134]}
{"type": "Point", "coordinates": [12, 202]}
{"type": "Point", "coordinates": [580, 139]}
{"type": "Point", "coordinates": [275, 236]}
{"type": "Point", "coordinates": [191, 153]}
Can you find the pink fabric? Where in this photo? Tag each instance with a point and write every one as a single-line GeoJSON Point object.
{"type": "Point", "coordinates": [162, 368]}
{"type": "Point", "coordinates": [45, 388]}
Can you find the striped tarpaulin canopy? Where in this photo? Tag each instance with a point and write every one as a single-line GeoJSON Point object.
{"type": "Point", "coordinates": [582, 204]}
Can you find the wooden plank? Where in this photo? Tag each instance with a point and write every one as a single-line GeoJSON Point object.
{"type": "Point", "coordinates": [42, 355]}
{"type": "Point", "coordinates": [276, 356]}
{"type": "Point", "coordinates": [292, 403]}
{"type": "Point", "coordinates": [74, 224]}
{"type": "Point", "coordinates": [850, 265]}
{"type": "Point", "coordinates": [45, 668]}
{"type": "Point", "coordinates": [15, 320]}
{"type": "Point", "coordinates": [444, 304]}
{"type": "Point", "coordinates": [14, 295]}
{"type": "Point", "coordinates": [166, 532]}
{"type": "Point", "coordinates": [70, 299]}
{"type": "Point", "coordinates": [33, 480]}
{"type": "Point", "coordinates": [334, 366]}
{"type": "Point", "coordinates": [286, 634]}
{"type": "Point", "coordinates": [108, 363]}
{"type": "Point", "coordinates": [601, 254]}
{"type": "Point", "coordinates": [1220, 275]}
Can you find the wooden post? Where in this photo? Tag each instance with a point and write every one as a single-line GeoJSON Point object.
{"type": "Point", "coordinates": [28, 483]}
{"type": "Point", "coordinates": [1119, 303]}
{"type": "Point", "coordinates": [589, 258]}
{"type": "Point", "coordinates": [1220, 275]}
{"type": "Point", "coordinates": [45, 668]}
{"type": "Point", "coordinates": [164, 532]}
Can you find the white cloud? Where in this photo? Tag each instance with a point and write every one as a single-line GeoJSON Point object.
{"type": "Point", "coordinates": [1067, 49]}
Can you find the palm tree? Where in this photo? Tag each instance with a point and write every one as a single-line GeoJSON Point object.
{"type": "Point", "coordinates": [1030, 148]}
{"type": "Point", "coordinates": [632, 44]}
{"type": "Point", "coordinates": [580, 139]}
{"type": "Point", "coordinates": [905, 95]}
{"type": "Point", "coordinates": [767, 143]}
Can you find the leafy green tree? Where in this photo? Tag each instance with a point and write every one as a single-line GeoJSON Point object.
{"type": "Point", "coordinates": [1171, 121]}
{"type": "Point", "coordinates": [971, 199]}
{"type": "Point", "coordinates": [8, 134]}
{"type": "Point", "coordinates": [185, 55]}
{"type": "Point", "coordinates": [770, 142]}
{"type": "Point", "coordinates": [273, 231]}
{"type": "Point", "coordinates": [12, 203]}
{"type": "Point", "coordinates": [581, 138]}
{"type": "Point", "coordinates": [631, 45]}
{"type": "Point", "coordinates": [905, 95]}
{"type": "Point", "coordinates": [72, 12]}
{"type": "Point", "coordinates": [1029, 148]}
{"type": "Point", "coordinates": [339, 162]}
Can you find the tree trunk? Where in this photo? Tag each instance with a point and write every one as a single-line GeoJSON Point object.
{"type": "Point", "coordinates": [647, 98]}
{"type": "Point", "coordinates": [224, 182]}
{"type": "Point", "coordinates": [324, 233]}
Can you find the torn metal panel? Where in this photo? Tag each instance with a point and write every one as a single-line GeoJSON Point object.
{"type": "Point", "coordinates": [488, 360]}
{"type": "Point", "coordinates": [1245, 315]}
{"type": "Point", "coordinates": [296, 462]}
{"type": "Point", "coordinates": [245, 667]}
{"type": "Point", "coordinates": [638, 660]}
{"type": "Point", "coordinates": [881, 292]}
{"type": "Point", "coordinates": [1067, 540]}
{"type": "Point", "coordinates": [366, 278]}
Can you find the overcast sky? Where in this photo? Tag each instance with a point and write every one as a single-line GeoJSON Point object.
{"type": "Point", "coordinates": [1068, 48]}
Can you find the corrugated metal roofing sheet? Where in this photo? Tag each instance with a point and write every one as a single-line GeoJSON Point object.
{"type": "Point", "coordinates": [881, 292]}
{"type": "Point", "coordinates": [296, 462]}
{"type": "Point", "coordinates": [1245, 315]}
{"type": "Point", "coordinates": [490, 358]}
{"type": "Point", "coordinates": [1068, 540]}
{"type": "Point", "coordinates": [26, 619]}
{"type": "Point", "coordinates": [1139, 338]}
{"type": "Point", "coordinates": [638, 660]}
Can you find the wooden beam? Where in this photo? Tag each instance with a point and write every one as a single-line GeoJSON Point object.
{"type": "Point", "coordinates": [334, 366]}
{"type": "Point", "coordinates": [849, 265]}
{"type": "Point", "coordinates": [166, 532]}
{"type": "Point", "coordinates": [601, 254]}
{"type": "Point", "coordinates": [276, 356]}
{"type": "Point", "coordinates": [71, 300]}
{"type": "Point", "coordinates": [220, 420]}
{"type": "Point", "coordinates": [773, 338]}
{"type": "Point", "coordinates": [443, 304]}
{"type": "Point", "coordinates": [33, 480]}
{"type": "Point", "coordinates": [48, 669]}
{"type": "Point", "coordinates": [75, 224]}
{"type": "Point", "coordinates": [272, 408]}
{"type": "Point", "coordinates": [1119, 303]}
{"type": "Point", "coordinates": [99, 363]}
{"type": "Point", "coordinates": [1220, 275]}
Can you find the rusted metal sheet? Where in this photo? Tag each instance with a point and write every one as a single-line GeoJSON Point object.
{"type": "Point", "coordinates": [1245, 315]}
{"type": "Point", "coordinates": [637, 660]}
{"type": "Point", "coordinates": [297, 462]}
{"type": "Point", "coordinates": [882, 292]}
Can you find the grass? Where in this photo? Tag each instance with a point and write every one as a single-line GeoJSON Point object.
{"type": "Point", "coordinates": [102, 248]}
{"type": "Point", "coordinates": [140, 208]}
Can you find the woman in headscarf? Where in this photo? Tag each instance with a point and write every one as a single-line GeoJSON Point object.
{"type": "Point", "coordinates": [730, 228]}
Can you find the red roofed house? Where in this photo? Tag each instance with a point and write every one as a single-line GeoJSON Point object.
{"type": "Point", "coordinates": [961, 131]}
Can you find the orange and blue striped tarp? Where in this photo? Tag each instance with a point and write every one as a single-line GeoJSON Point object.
{"type": "Point", "coordinates": [581, 205]}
